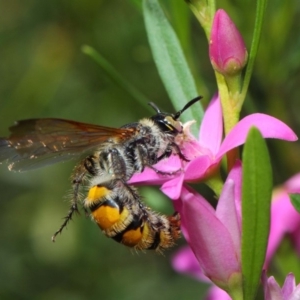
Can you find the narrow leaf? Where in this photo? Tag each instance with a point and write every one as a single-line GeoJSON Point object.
{"type": "Point", "coordinates": [259, 17]}
{"type": "Point", "coordinates": [170, 61]}
{"type": "Point", "coordinates": [256, 202]}
{"type": "Point", "coordinates": [181, 24]}
{"type": "Point", "coordinates": [115, 76]}
{"type": "Point", "coordinates": [295, 199]}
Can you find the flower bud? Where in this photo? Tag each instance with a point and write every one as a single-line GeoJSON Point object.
{"type": "Point", "coordinates": [227, 50]}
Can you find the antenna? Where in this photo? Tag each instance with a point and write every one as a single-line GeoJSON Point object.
{"type": "Point", "coordinates": [155, 107]}
{"type": "Point", "coordinates": [190, 103]}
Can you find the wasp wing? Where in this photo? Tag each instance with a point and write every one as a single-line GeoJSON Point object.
{"type": "Point", "coordinates": [35, 143]}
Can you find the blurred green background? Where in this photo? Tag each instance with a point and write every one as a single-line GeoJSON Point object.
{"type": "Point", "coordinates": [45, 74]}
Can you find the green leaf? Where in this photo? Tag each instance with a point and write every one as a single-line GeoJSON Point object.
{"type": "Point", "coordinates": [115, 76]}
{"type": "Point", "coordinates": [295, 199]}
{"type": "Point", "coordinates": [259, 17]}
{"type": "Point", "coordinates": [256, 202]}
{"type": "Point", "coordinates": [181, 23]}
{"type": "Point", "coordinates": [170, 61]}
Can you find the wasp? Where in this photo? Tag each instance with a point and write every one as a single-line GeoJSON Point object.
{"type": "Point", "coordinates": [111, 157]}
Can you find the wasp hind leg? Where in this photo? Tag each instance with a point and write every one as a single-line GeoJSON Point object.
{"type": "Point", "coordinates": [87, 166]}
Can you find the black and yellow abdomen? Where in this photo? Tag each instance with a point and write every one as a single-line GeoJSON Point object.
{"type": "Point", "coordinates": [121, 215]}
{"type": "Point", "coordinates": [109, 213]}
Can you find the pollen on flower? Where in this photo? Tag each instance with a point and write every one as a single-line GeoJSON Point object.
{"type": "Point", "coordinates": [188, 144]}
{"type": "Point", "coordinates": [186, 135]}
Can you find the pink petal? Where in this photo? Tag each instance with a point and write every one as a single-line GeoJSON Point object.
{"type": "Point", "coordinates": [293, 184]}
{"type": "Point", "coordinates": [225, 208]}
{"type": "Point", "coordinates": [197, 168]}
{"type": "Point", "coordinates": [284, 219]}
{"type": "Point", "coordinates": [236, 175]}
{"type": "Point", "coordinates": [209, 238]}
{"type": "Point", "coordinates": [215, 293]}
{"type": "Point", "coordinates": [184, 261]}
{"type": "Point", "coordinates": [296, 293]}
{"type": "Point", "coordinates": [178, 207]}
{"type": "Point", "coordinates": [149, 176]}
{"type": "Point", "coordinates": [172, 188]}
{"type": "Point", "coordinates": [269, 127]}
{"type": "Point", "coordinates": [211, 128]}
{"type": "Point", "coordinates": [288, 286]}
{"type": "Point", "coordinates": [272, 290]}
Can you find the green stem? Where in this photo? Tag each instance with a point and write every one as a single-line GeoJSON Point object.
{"type": "Point", "coordinates": [228, 101]}
{"type": "Point", "coordinates": [236, 287]}
{"type": "Point", "coordinates": [204, 10]}
{"type": "Point", "coordinates": [260, 11]}
{"type": "Point", "coordinates": [237, 295]}
{"type": "Point", "coordinates": [212, 8]}
{"type": "Point", "coordinates": [216, 184]}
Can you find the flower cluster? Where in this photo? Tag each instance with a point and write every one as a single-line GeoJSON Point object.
{"type": "Point", "coordinates": [285, 222]}
{"type": "Point", "coordinates": [214, 235]}
{"type": "Point", "coordinates": [206, 152]}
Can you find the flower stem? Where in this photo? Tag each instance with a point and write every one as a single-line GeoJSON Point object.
{"type": "Point", "coordinates": [236, 296]}
{"type": "Point", "coordinates": [204, 11]}
{"type": "Point", "coordinates": [216, 184]}
{"type": "Point", "coordinates": [236, 287]}
{"type": "Point", "coordinates": [260, 11]}
{"type": "Point", "coordinates": [228, 101]}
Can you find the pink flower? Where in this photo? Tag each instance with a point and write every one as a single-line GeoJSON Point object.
{"type": "Point", "coordinates": [184, 261]}
{"type": "Point", "coordinates": [216, 293]}
{"type": "Point", "coordinates": [213, 237]}
{"type": "Point", "coordinates": [227, 50]}
{"type": "Point", "coordinates": [289, 290]}
{"type": "Point", "coordinates": [205, 153]}
{"type": "Point", "coordinates": [284, 218]}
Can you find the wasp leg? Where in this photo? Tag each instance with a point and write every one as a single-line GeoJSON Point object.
{"type": "Point", "coordinates": [163, 172]}
{"type": "Point", "coordinates": [169, 151]}
{"type": "Point", "coordinates": [136, 196]}
{"type": "Point", "coordinates": [67, 218]}
{"type": "Point", "coordinates": [87, 166]}
{"type": "Point", "coordinates": [74, 207]}
{"type": "Point", "coordinates": [179, 152]}
{"type": "Point", "coordinates": [141, 205]}
{"type": "Point", "coordinates": [142, 152]}
{"type": "Point", "coordinates": [119, 166]}
{"type": "Point", "coordinates": [132, 190]}
{"type": "Point", "coordinates": [145, 160]}
{"type": "Point", "coordinates": [166, 154]}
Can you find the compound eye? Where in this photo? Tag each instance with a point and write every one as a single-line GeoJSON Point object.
{"type": "Point", "coordinates": [173, 125]}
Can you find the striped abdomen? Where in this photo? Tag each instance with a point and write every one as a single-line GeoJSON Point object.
{"type": "Point", "coordinates": [119, 213]}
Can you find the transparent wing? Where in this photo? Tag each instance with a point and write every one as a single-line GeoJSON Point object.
{"type": "Point", "coordinates": [35, 143]}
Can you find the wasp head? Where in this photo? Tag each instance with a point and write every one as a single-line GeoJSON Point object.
{"type": "Point", "coordinates": [169, 122]}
